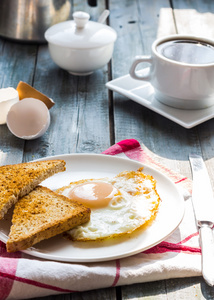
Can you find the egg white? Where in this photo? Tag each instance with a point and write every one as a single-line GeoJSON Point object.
{"type": "Point", "coordinates": [134, 203]}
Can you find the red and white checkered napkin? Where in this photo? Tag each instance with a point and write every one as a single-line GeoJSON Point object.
{"type": "Point", "coordinates": [23, 277]}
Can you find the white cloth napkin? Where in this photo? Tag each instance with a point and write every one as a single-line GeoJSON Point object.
{"type": "Point", "coordinates": [24, 277]}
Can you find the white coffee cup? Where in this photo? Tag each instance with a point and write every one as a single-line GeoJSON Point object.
{"type": "Point", "coordinates": [185, 82]}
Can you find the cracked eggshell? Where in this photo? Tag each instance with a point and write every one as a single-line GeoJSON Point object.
{"type": "Point", "coordinates": [8, 97]}
{"type": "Point", "coordinates": [28, 119]}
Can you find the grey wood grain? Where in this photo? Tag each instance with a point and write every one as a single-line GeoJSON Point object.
{"type": "Point", "coordinates": [188, 288]}
{"type": "Point", "coordinates": [160, 135]}
{"type": "Point", "coordinates": [145, 291]}
{"type": "Point", "coordinates": [104, 294]}
{"type": "Point", "coordinates": [201, 23]}
{"type": "Point", "coordinates": [80, 116]}
{"type": "Point", "coordinates": [132, 120]}
{"type": "Point", "coordinates": [171, 289]}
{"type": "Point", "coordinates": [88, 118]}
{"type": "Point", "coordinates": [17, 63]}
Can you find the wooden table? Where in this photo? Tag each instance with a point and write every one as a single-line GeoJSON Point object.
{"type": "Point", "coordinates": [88, 118]}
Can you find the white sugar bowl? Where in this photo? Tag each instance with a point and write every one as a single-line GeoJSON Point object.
{"type": "Point", "coordinates": [81, 46]}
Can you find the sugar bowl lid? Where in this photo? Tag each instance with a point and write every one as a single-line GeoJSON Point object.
{"type": "Point", "coordinates": [80, 33]}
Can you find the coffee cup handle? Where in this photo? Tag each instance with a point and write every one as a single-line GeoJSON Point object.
{"type": "Point", "coordinates": [138, 60]}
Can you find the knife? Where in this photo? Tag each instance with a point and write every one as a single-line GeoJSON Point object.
{"type": "Point", "coordinates": [203, 204]}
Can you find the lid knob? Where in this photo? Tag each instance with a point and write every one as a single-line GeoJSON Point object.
{"type": "Point", "coordinates": [81, 18]}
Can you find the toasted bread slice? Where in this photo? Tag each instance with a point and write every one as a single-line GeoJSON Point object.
{"type": "Point", "coordinates": [19, 179]}
{"type": "Point", "coordinates": [43, 214]}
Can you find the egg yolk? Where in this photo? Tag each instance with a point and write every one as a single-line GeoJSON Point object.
{"type": "Point", "coordinates": [93, 194]}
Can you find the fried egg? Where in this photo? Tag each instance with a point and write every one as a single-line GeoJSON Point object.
{"type": "Point", "coordinates": [119, 205]}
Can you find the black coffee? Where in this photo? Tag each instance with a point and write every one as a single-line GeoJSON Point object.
{"type": "Point", "coordinates": [187, 51]}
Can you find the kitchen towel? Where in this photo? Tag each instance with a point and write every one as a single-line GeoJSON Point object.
{"type": "Point", "coordinates": [23, 276]}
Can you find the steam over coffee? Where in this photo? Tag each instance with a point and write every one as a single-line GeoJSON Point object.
{"type": "Point", "coordinates": [187, 51]}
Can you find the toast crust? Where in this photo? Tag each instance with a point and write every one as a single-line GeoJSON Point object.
{"type": "Point", "coordinates": [43, 214]}
{"type": "Point", "coordinates": [19, 179]}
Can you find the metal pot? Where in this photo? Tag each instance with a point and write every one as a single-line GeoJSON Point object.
{"type": "Point", "coordinates": [27, 20]}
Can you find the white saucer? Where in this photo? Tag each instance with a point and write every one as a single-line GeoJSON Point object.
{"type": "Point", "coordinates": [142, 92]}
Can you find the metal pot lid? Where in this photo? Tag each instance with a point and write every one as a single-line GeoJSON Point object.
{"type": "Point", "coordinates": [80, 33]}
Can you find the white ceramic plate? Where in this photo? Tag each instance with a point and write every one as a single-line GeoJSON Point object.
{"type": "Point", "coordinates": [80, 166]}
{"type": "Point", "coordinates": [143, 93]}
